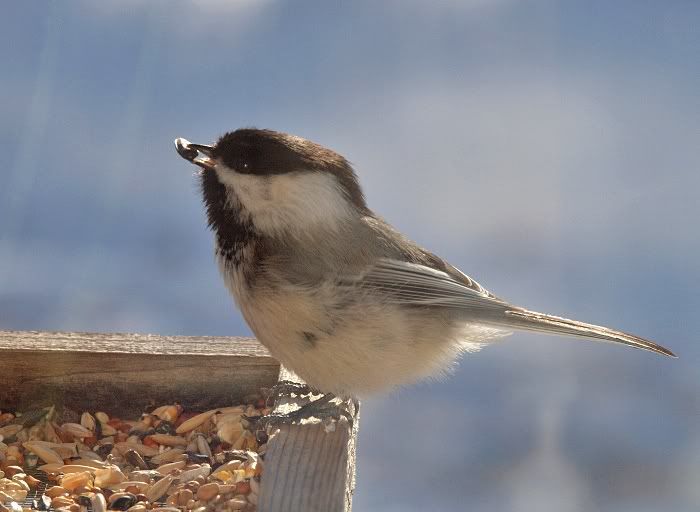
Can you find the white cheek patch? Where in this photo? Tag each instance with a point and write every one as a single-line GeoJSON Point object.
{"type": "Point", "coordinates": [289, 203]}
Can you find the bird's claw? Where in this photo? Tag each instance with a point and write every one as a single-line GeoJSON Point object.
{"type": "Point", "coordinates": [324, 409]}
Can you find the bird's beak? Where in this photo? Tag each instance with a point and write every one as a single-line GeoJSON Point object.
{"type": "Point", "coordinates": [198, 154]}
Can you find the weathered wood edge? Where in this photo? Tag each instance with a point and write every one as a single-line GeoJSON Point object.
{"type": "Point", "coordinates": [128, 343]}
{"type": "Point", "coordinates": [128, 373]}
{"type": "Point", "coordinates": [309, 467]}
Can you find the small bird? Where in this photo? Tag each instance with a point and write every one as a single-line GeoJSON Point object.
{"type": "Point", "coordinates": [335, 293]}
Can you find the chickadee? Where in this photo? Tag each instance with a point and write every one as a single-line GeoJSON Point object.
{"type": "Point", "coordinates": [335, 293]}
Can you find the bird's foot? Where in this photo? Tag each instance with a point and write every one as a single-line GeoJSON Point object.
{"type": "Point", "coordinates": [323, 408]}
{"type": "Point", "coordinates": [288, 388]}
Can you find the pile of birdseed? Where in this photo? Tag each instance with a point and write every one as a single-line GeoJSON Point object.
{"type": "Point", "coordinates": [167, 460]}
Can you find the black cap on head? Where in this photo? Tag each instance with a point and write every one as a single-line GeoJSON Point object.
{"type": "Point", "coordinates": [266, 153]}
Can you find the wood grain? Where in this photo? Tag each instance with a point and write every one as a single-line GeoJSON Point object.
{"type": "Point", "coordinates": [128, 373]}
{"type": "Point", "coordinates": [307, 468]}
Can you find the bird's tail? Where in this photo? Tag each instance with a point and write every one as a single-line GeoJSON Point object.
{"type": "Point", "coordinates": [522, 319]}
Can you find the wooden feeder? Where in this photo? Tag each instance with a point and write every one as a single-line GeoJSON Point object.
{"type": "Point", "coordinates": [307, 467]}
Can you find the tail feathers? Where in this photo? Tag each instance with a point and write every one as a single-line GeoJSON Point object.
{"type": "Point", "coordinates": [532, 321]}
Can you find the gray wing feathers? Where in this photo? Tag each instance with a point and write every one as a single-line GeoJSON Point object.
{"type": "Point", "coordinates": [412, 284]}
{"type": "Point", "coordinates": [540, 322]}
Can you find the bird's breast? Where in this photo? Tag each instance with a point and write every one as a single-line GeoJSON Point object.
{"type": "Point", "coordinates": [349, 346]}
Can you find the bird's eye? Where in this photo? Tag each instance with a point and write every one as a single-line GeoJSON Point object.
{"type": "Point", "coordinates": [243, 167]}
{"type": "Point", "coordinates": [240, 165]}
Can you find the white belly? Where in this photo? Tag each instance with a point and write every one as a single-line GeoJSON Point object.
{"type": "Point", "coordinates": [355, 350]}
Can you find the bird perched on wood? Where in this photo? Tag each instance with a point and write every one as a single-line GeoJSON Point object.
{"type": "Point", "coordinates": [335, 293]}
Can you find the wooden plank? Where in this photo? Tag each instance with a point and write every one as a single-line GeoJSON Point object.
{"type": "Point", "coordinates": [307, 467]}
{"type": "Point", "coordinates": [111, 343]}
{"type": "Point", "coordinates": [128, 373]}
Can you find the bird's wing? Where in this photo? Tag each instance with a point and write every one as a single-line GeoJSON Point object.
{"type": "Point", "coordinates": [412, 284]}
{"type": "Point", "coordinates": [402, 282]}
{"type": "Point", "coordinates": [396, 248]}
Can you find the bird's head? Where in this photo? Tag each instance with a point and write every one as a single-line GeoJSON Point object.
{"type": "Point", "coordinates": [280, 183]}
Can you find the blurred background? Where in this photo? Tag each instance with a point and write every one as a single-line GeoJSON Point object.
{"type": "Point", "coordinates": [547, 148]}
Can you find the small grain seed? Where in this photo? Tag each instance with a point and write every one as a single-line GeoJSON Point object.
{"type": "Point", "coordinates": [167, 439]}
{"type": "Point", "coordinates": [9, 485]}
{"type": "Point", "coordinates": [118, 495]}
{"type": "Point", "coordinates": [208, 491]}
{"type": "Point", "coordinates": [136, 487]}
{"type": "Point", "coordinates": [50, 468]}
{"type": "Point", "coordinates": [55, 491]}
{"type": "Point", "coordinates": [109, 476]}
{"type": "Point", "coordinates": [76, 468]}
{"type": "Point", "coordinates": [9, 431]}
{"type": "Point", "coordinates": [76, 430]}
{"type": "Point", "coordinates": [171, 455]}
{"type": "Point", "coordinates": [46, 454]}
{"type": "Point", "coordinates": [16, 494]}
{"type": "Point", "coordinates": [142, 449]}
{"type": "Point", "coordinates": [108, 430]}
{"type": "Point", "coordinates": [133, 458]}
{"type": "Point", "coordinates": [243, 488]}
{"type": "Point", "coordinates": [61, 501]}
{"type": "Point", "coordinates": [93, 460]}
{"type": "Point", "coordinates": [184, 496]}
{"type": "Point", "coordinates": [157, 490]}
{"type": "Point", "coordinates": [237, 503]}
{"type": "Point", "coordinates": [32, 482]}
{"type": "Point", "coordinates": [227, 488]}
{"type": "Point", "coordinates": [194, 422]}
{"type": "Point", "coordinates": [102, 417]}
{"type": "Point", "coordinates": [72, 481]}
{"type": "Point", "coordinates": [88, 421]}
{"type": "Point", "coordinates": [203, 447]}
{"type": "Point", "coordinates": [230, 432]}
{"type": "Point", "coordinates": [98, 502]}
{"type": "Point", "coordinates": [147, 476]}
{"type": "Point", "coordinates": [195, 472]}
{"type": "Point", "coordinates": [11, 471]}
{"type": "Point", "coordinates": [168, 468]}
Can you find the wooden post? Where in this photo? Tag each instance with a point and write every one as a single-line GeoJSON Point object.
{"type": "Point", "coordinates": [308, 467]}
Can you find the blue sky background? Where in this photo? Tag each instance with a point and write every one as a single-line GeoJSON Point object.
{"type": "Point", "coordinates": [549, 149]}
